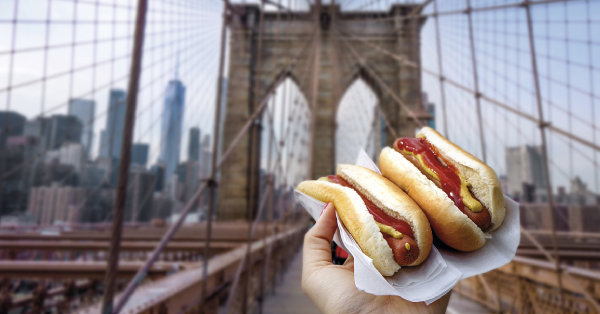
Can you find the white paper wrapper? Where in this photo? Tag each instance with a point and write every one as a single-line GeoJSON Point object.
{"type": "Point", "coordinates": [442, 269]}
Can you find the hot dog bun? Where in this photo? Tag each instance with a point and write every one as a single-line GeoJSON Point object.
{"type": "Point", "coordinates": [361, 224]}
{"type": "Point", "coordinates": [357, 219]}
{"type": "Point", "coordinates": [393, 201]}
{"type": "Point", "coordinates": [450, 225]}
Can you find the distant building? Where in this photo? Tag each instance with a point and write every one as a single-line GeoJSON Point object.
{"type": "Point", "coordinates": [188, 174]}
{"type": "Point", "coordinates": [72, 154]}
{"type": "Point", "coordinates": [159, 171]}
{"type": "Point", "coordinates": [34, 127]}
{"type": "Point", "coordinates": [46, 173]}
{"type": "Point", "coordinates": [526, 177]}
{"type": "Point", "coordinates": [18, 159]}
{"type": "Point", "coordinates": [98, 207]}
{"type": "Point", "coordinates": [194, 145]}
{"type": "Point", "coordinates": [173, 188]}
{"type": "Point", "coordinates": [91, 176]}
{"type": "Point", "coordinates": [140, 196]}
{"type": "Point", "coordinates": [205, 168]}
{"type": "Point", "coordinates": [111, 169]}
{"type": "Point", "coordinates": [172, 123]}
{"type": "Point", "coordinates": [56, 204]}
{"type": "Point", "coordinates": [430, 108]}
{"type": "Point", "coordinates": [139, 154]}
{"type": "Point", "coordinates": [580, 195]}
{"type": "Point", "coordinates": [162, 206]}
{"type": "Point", "coordinates": [62, 129]}
{"type": "Point", "coordinates": [206, 158]}
{"type": "Point", "coordinates": [561, 196]}
{"type": "Point", "coordinates": [84, 110]}
{"type": "Point", "coordinates": [112, 135]}
{"type": "Point", "coordinates": [54, 131]}
{"type": "Point", "coordinates": [11, 124]}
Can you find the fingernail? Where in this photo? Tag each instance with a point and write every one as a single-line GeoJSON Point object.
{"type": "Point", "coordinates": [324, 209]}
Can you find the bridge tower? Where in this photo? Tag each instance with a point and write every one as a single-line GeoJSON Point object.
{"type": "Point", "coordinates": [325, 71]}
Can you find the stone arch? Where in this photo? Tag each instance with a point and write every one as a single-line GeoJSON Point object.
{"type": "Point", "coordinates": [236, 195]}
{"type": "Point", "coordinates": [356, 122]}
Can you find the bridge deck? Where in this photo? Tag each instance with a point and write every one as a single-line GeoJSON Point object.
{"type": "Point", "coordinates": [289, 298]}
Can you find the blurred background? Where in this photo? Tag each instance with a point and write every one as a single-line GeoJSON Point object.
{"type": "Point", "coordinates": [149, 149]}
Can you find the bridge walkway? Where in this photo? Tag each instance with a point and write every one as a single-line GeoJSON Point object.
{"type": "Point", "coordinates": [289, 298]}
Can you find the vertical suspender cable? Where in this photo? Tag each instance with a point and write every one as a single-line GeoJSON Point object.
{"type": "Point", "coordinates": [117, 225]}
{"type": "Point", "coordinates": [476, 82]}
{"type": "Point", "coordinates": [542, 125]}
{"type": "Point", "coordinates": [441, 70]}
{"type": "Point", "coordinates": [216, 139]}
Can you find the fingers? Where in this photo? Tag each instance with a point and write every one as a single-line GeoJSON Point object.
{"type": "Point", "coordinates": [441, 304]}
{"type": "Point", "coordinates": [349, 262]}
{"type": "Point", "coordinates": [317, 241]}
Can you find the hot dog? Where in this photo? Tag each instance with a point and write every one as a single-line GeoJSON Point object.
{"type": "Point", "coordinates": [388, 225]}
{"type": "Point", "coordinates": [460, 195]}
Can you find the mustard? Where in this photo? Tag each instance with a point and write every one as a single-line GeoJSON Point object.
{"type": "Point", "coordinates": [471, 203]}
{"type": "Point", "coordinates": [420, 159]}
{"type": "Point", "coordinates": [389, 230]}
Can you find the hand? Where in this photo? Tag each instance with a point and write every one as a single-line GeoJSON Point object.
{"type": "Point", "coordinates": [331, 287]}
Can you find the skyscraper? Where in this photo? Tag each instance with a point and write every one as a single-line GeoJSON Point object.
{"type": "Point", "coordinates": [55, 130]}
{"type": "Point", "coordinates": [84, 110]}
{"type": "Point", "coordinates": [11, 124]}
{"type": "Point", "coordinates": [194, 145]}
{"type": "Point", "coordinates": [172, 122]}
{"type": "Point", "coordinates": [525, 172]}
{"type": "Point", "coordinates": [112, 136]}
{"type": "Point", "coordinates": [139, 154]}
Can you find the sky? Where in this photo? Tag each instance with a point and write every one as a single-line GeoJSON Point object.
{"type": "Point", "coordinates": [567, 53]}
{"type": "Point", "coordinates": [75, 67]}
{"type": "Point", "coordinates": [568, 68]}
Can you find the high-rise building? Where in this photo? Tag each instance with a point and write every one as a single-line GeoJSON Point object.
{"type": "Point", "coordinates": [72, 154]}
{"type": "Point", "coordinates": [172, 122]}
{"type": "Point", "coordinates": [206, 158]}
{"type": "Point", "coordinates": [159, 172]}
{"type": "Point", "coordinates": [188, 173]}
{"type": "Point", "coordinates": [84, 110]}
{"type": "Point", "coordinates": [11, 124]}
{"type": "Point", "coordinates": [194, 145]}
{"type": "Point", "coordinates": [526, 177]}
{"type": "Point", "coordinates": [140, 195]}
{"type": "Point", "coordinates": [19, 178]}
{"type": "Point", "coordinates": [54, 131]}
{"type": "Point", "coordinates": [139, 154]}
{"type": "Point", "coordinates": [56, 203]}
{"type": "Point", "coordinates": [112, 135]}
{"type": "Point", "coordinates": [35, 127]}
{"type": "Point", "coordinates": [91, 176]}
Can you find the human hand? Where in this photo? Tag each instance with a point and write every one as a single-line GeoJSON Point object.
{"type": "Point", "coordinates": [331, 287]}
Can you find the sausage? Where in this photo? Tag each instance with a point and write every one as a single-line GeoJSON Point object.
{"type": "Point", "coordinates": [403, 254]}
{"type": "Point", "coordinates": [482, 219]}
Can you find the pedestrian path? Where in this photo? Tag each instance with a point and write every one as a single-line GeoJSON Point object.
{"type": "Point", "coordinates": [462, 305]}
{"type": "Point", "coordinates": [288, 297]}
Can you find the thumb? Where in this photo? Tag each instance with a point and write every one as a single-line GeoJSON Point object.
{"type": "Point", "coordinates": [317, 241]}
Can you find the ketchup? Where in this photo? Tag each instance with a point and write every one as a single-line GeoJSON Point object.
{"type": "Point", "coordinates": [448, 178]}
{"type": "Point", "coordinates": [379, 215]}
